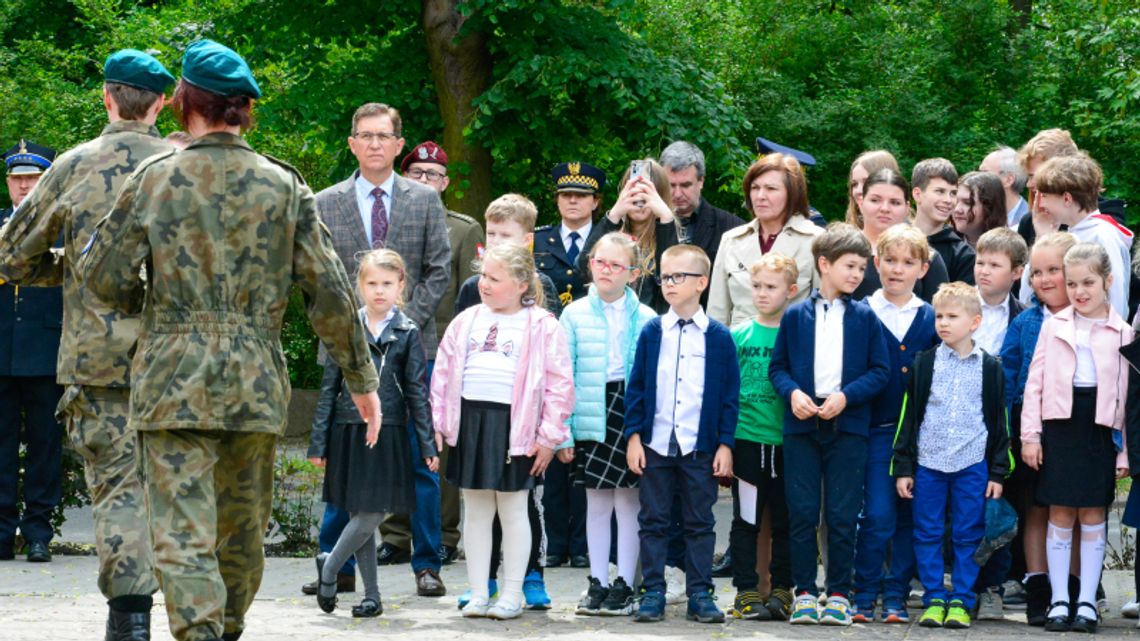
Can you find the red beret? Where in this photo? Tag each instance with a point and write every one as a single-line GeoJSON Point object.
{"type": "Point", "coordinates": [426, 151]}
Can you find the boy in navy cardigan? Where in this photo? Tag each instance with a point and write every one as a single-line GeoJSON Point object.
{"type": "Point", "coordinates": [829, 362]}
{"type": "Point", "coordinates": [681, 406]}
{"type": "Point", "coordinates": [902, 255]}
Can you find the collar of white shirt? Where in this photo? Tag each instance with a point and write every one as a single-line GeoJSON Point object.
{"type": "Point", "coordinates": [1003, 306]}
{"type": "Point", "coordinates": [669, 320]}
{"type": "Point", "coordinates": [364, 187]}
{"type": "Point", "coordinates": [948, 351]}
{"type": "Point", "coordinates": [583, 234]}
{"type": "Point", "coordinates": [879, 302]}
{"type": "Point", "coordinates": [617, 306]}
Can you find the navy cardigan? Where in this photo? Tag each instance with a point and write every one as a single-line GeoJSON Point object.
{"type": "Point", "coordinates": [865, 363]}
{"type": "Point", "coordinates": [920, 337]}
{"type": "Point", "coordinates": [720, 404]}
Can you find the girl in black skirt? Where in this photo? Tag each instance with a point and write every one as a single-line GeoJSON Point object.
{"type": "Point", "coordinates": [1071, 425]}
{"type": "Point", "coordinates": [368, 470]}
{"type": "Point", "coordinates": [602, 329]}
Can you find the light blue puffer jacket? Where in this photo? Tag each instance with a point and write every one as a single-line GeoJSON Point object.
{"type": "Point", "coordinates": [588, 336]}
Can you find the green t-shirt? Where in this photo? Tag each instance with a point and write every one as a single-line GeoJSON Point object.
{"type": "Point", "coordinates": [761, 408]}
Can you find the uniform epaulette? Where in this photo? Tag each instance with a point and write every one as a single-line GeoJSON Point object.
{"type": "Point", "coordinates": [543, 228]}
{"type": "Point", "coordinates": [277, 161]}
{"type": "Point", "coordinates": [150, 160]}
{"type": "Point", "coordinates": [464, 217]}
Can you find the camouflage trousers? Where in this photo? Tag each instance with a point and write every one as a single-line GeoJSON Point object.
{"type": "Point", "coordinates": [210, 498]}
{"type": "Point", "coordinates": [96, 421]}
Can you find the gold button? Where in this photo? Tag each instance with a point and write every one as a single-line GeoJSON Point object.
{"type": "Point", "coordinates": [902, 347]}
{"type": "Point", "coordinates": [569, 272]}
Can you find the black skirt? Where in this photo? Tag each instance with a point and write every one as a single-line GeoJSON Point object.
{"type": "Point", "coordinates": [1079, 468]}
{"type": "Point", "coordinates": [603, 466]}
{"type": "Point", "coordinates": [359, 478]}
{"type": "Point", "coordinates": [479, 460]}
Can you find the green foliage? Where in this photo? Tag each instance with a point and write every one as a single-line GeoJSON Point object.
{"type": "Point", "coordinates": [296, 496]}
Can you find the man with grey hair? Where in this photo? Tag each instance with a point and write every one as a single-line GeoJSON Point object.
{"type": "Point", "coordinates": [700, 223]}
{"type": "Point", "coordinates": [1002, 161]}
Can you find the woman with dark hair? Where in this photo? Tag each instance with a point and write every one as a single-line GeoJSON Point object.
{"type": "Point", "coordinates": [981, 206]}
{"type": "Point", "coordinates": [224, 233]}
{"type": "Point", "coordinates": [884, 204]}
{"type": "Point", "coordinates": [775, 191]}
{"type": "Point", "coordinates": [863, 168]}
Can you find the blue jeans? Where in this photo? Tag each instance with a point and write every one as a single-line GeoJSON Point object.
{"type": "Point", "coordinates": [838, 460]}
{"type": "Point", "coordinates": [965, 494]}
{"type": "Point", "coordinates": [885, 524]}
{"type": "Point", "coordinates": [332, 524]}
{"type": "Point", "coordinates": [663, 476]}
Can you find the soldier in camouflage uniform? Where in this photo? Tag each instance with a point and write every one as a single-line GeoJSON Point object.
{"type": "Point", "coordinates": [95, 352]}
{"type": "Point", "coordinates": [224, 233]}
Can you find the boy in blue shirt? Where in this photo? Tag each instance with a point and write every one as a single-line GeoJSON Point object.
{"type": "Point", "coordinates": [680, 414]}
{"type": "Point", "coordinates": [840, 365]}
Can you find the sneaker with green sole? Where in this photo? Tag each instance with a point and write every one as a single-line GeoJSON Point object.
{"type": "Point", "coordinates": [957, 616]}
{"type": "Point", "coordinates": [935, 614]}
{"type": "Point", "coordinates": [805, 610]}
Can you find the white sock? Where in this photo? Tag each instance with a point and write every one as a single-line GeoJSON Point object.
{"type": "Point", "coordinates": [627, 504]}
{"type": "Point", "coordinates": [478, 514]}
{"type": "Point", "coordinates": [599, 508]}
{"type": "Point", "coordinates": [1092, 560]}
{"type": "Point", "coordinates": [1058, 549]}
{"type": "Point", "coordinates": [516, 545]}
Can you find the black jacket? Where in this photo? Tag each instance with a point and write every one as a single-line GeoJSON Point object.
{"type": "Point", "coordinates": [956, 253]}
{"type": "Point", "coordinates": [705, 227]}
{"type": "Point", "coordinates": [998, 454]}
{"type": "Point", "coordinates": [1131, 353]}
{"type": "Point", "coordinates": [402, 363]}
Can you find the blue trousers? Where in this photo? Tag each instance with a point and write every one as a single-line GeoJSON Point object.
{"type": "Point", "coordinates": [838, 460]}
{"type": "Point", "coordinates": [965, 494]}
{"type": "Point", "coordinates": [426, 535]}
{"type": "Point", "coordinates": [663, 476]}
{"type": "Point", "coordinates": [885, 524]}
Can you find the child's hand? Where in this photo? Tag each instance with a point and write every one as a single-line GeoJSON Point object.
{"type": "Point", "coordinates": [993, 490]}
{"type": "Point", "coordinates": [635, 455]}
{"type": "Point", "coordinates": [802, 406]}
{"type": "Point", "coordinates": [566, 455]}
{"type": "Point", "coordinates": [432, 463]}
{"type": "Point", "coordinates": [1032, 456]}
{"type": "Point", "coordinates": [316, 460]}
{"type": "Point", "coordinates": [542, 457]}
{"type": "Point", "coordinates": [438, 442]}
{"type": "Point", "coordinates": [905, 487]}
{"type": "Point", "coordinates": [833, 406]}
{"type": "Point", "coordinates": [1121, 472]}
{"type": "Point", "coordinates": [722, 462]}
{"type": "Point", "coordinates": [373, 433]}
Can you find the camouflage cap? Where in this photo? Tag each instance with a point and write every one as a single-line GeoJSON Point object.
{"type": "Point", "coordinates": [218, 69]}
{"type": "Point", "coordinates": [137, 69]}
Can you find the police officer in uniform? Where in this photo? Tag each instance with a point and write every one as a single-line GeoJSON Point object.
{"type": "Point", "coordinates": [578, 188]}
{"type": "Point", "coordinates": [30, 323]}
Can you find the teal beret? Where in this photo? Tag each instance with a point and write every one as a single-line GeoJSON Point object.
{"type": "Point", "coordinates": [137, 69]}
{"type": "Point", "coordinates": [218, 69]}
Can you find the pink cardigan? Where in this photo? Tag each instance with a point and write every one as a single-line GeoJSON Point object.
{"type": "Point", "coordinates": [543, 395]}
{"type": "Point", "coordinates": [1049, 388]}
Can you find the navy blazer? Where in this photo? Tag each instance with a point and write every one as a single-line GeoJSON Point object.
{"type": "Point", "coordinates": [865, 363]}
{"type": "Point", "coordinates": [919, 337]}
{"type": "Point", "coordinates": [31, 323]}
{"type": "Point", "coordinates": [720, 400]}
{"type": "Point", "coordinates": [550, 259]}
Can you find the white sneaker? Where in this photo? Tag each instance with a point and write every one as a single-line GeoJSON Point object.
{"type": "Point", "coordinates": [990, 606]}
{"type": "Point", "coordinates": [1130, 610]}
{"type": "Point", "coordinates": [503, 611]}
{"type": "Point", "coordinates": [675, 586]}
{"type": "Point", "coordinates": [476, 607]}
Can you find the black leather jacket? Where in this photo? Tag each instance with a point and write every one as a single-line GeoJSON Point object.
{"type": "Point", "coordinates": [400, 359]}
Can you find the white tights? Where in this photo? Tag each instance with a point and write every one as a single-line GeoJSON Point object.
{"type": "Point", "coordinates": [479, 508]}
{"type": "Point", "coordinates": [600, 504]}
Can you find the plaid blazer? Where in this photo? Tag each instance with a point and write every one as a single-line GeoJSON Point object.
{"type": "Point", "coordinates": [417, 231]}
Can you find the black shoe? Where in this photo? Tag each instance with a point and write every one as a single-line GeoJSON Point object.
{"type": "Point", "coordinates": [619, 600]}
{"type": "Point", "coordinates": [1061, 622]}
{"type": "Point", "coordinates": [555, 561]}
{"type": "Point", "coordinates": [1082, 623]}
{"type": "Point", "coordinates": [722, 566]}
{"type": "Point", "coordinates": [344, 583]}
{"type": "Point", "coordinates": [38, 552]}
{"type": "Point", "coordinates": [388, 554]}
{"type": "Point", "coordinates": [128, 626]}
{"type": "Point", "coordinates": [367, 609]}
{"type": "Point", "coordinates": [592, 602]}
{"type": "Point", "coordinates": [1037, 592]}
{"type": "Point", "coordinates": [327, 603]}
{"type": "Point", "coordinates": [7, 552]}
{"type": "Point", "coordinates": [579, 561]}
{"type": "Point", "coordinates": [448, 554]}
{"type": "Point", "coordinates": [232, 636]}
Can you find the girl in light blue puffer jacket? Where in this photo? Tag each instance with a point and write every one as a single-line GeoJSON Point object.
{"type": "Point", "coordinates": [602, 331]}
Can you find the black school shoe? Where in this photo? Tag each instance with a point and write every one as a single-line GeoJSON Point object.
{"type": "Point", "coordinates": [1082, 623]}
{"type": "Point", "coordinates": [1062, 621]}
{"type": "Point", "coordinates": [367, 609]}
{"type": "Point", "coordinates": [388, 554]}
{"type": "Point", "coordinates": [38, 552]}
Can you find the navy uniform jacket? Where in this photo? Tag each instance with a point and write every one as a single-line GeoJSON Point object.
{"type": "Point", "coordinates": [31, 321]}
{"type": "Point", "coordinates": [550, 259]}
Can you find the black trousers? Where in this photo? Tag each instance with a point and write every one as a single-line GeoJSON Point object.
{"type": "Point", "coordinates": [27, 414]}
{"type": "Point", "coordinates": [565, 511]}
{"type": "Point", "coordinates": [768, 477]}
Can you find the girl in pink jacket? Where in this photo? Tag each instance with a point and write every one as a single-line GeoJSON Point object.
{"type": "Point", "coordinates": [1071, 428]}
{"type": "Point", "coordinates": [501, 395]}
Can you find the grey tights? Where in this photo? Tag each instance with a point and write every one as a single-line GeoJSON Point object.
{"type": "Point", "coordinates": [359, 539]}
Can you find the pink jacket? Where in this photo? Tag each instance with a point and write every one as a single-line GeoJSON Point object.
{"type": "Point", "coordinates": [544, 388]}
{"type": "Point", "coordinates": [1049, 388]}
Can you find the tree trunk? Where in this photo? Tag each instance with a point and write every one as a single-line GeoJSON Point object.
{"type": "Point", "coordinates": [1024, 10]}
{"type": "Point", "coordinates": [461, 69]}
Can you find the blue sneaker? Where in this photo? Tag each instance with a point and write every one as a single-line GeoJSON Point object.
{"type": "Point", "coordinates": [894, 610]}
{"type": "Point", "coordinates": [703, 609]}
{"type": "Point", "coordinates": [651, 608]}
{"type": "Point", "coordinates": [465, 598]}
{"type": "Point", "coordinates": [534, 590]}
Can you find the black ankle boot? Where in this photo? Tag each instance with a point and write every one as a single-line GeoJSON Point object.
{"type": "Point", "coordinates": [128, 626]}
{"type": "Point", "coordinates": [1038, 596]}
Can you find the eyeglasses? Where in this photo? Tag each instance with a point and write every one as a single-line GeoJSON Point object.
{"type": "Point", "coordinates": [432, 175]}
{"type": "Point", "coordinates": [369, 137]}
{"type": "Point", "coordinates": [677, 278]}
{"type": "Point", "coordinates": [606, 266]}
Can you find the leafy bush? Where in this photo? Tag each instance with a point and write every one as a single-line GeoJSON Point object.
{"type": "Point", "coordinates": [296, 497]}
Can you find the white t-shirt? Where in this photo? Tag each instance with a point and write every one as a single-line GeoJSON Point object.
{"type": "Point", "coordinates": [1085, 376]}
{"type": "Point", "coordinates": [493, 356]}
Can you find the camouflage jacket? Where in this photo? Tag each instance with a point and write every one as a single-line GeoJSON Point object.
{"type": "Point", "coordinates": [224, 233]}
{"type": "Point", "coordinates": [70, 199]}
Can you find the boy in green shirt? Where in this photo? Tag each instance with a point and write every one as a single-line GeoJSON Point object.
{"type": "Point", "coordinates": [758, 460]}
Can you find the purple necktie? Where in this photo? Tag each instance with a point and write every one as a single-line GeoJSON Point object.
{"type": "Point", "coordinates": [379, 219]}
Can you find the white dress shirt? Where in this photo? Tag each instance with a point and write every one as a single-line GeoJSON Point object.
{"type": "Point", "coordinates": [583, 234]}
{"type": "Point", "coordinates": [617, 323]}
{"type": "Point", "coordinates": [365, 199]}
{"type": "Point", "coordinates": [995, 322]}
{"type": "Point", "coordinates": [680, 383]}
{"type": "Point", "coordinates": [1085, 374]}
{"type": "Point", "coordinates": [380, 326]}
{"type": "Point", "coordinates": [896, 319]}
{"type": "Point", "coordinates": [828, 346]}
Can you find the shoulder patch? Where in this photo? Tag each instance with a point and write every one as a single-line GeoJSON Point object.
{"type": "Point", "coordinates": [291, 168]}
